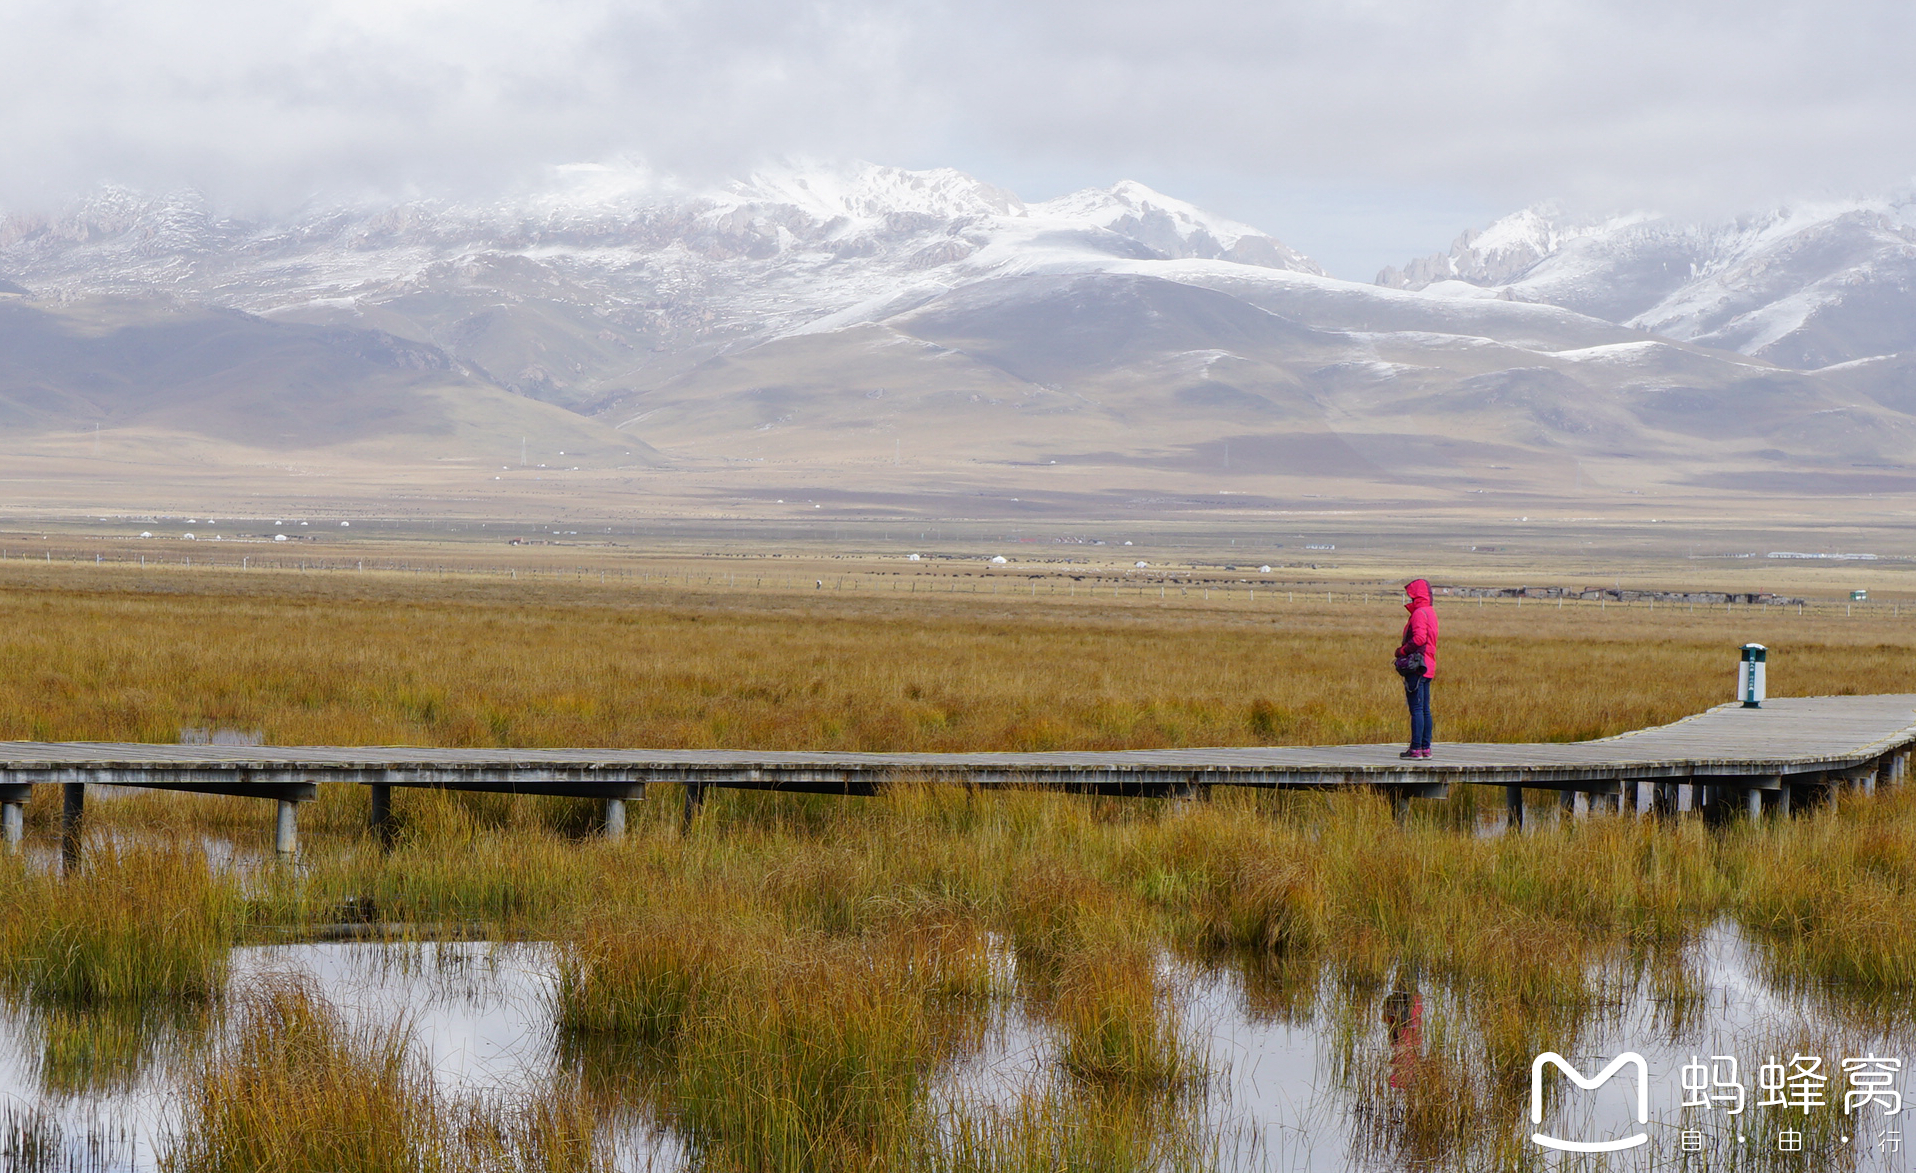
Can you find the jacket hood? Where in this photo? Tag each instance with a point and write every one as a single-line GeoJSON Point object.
{"type": "Point", "coordinates": [1419, 591]}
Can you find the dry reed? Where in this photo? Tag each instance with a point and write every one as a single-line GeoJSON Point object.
{"type": "Point", "coordinates": [298, 1090]}
{"type": "Point", "coordinates": [1827, 898]}
{"type": "Point", "coordinates": [380, 660]}
{"type": "Point", "coordinates": [134, 926]}
{"type": "Point", "coordinates": [775, 1045]}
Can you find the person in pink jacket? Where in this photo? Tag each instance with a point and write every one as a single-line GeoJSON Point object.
{"type": "Point", "coordinates": [1420, 638]}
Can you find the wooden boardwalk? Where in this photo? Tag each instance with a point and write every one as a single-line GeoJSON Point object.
{"type": "Point", "coordinates": [1788, 744]}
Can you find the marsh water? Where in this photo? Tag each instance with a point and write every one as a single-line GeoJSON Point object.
{"type": "Point", "coordinates": [1307, 1076]}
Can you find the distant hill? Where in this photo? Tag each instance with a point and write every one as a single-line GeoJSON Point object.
{"type": "Point", "coordinates": [123, 365]}
{"type": "Point", "coordinates": [861, 324]}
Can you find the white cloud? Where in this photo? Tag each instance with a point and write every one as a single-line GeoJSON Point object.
{"type": "Point", "coordinates": [1697, 101]}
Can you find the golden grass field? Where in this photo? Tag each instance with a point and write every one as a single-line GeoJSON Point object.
{"type": "Point", "coordinates": [839, 956]}
{"type": "Point", "coordinates": [707, 657]}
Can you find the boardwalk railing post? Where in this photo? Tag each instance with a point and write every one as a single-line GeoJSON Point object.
{"type": "Point", "coordinates": [72, 814]}
{"type": "Point", "coordinates": [286, 830]}
{"type": "Point", "coordinates": [615, 818]}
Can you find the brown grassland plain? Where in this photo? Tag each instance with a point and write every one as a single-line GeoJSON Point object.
{"type": "Point", "coordinates": [344, 657]}
{"type": "Point", "coordinates": [840, 957]}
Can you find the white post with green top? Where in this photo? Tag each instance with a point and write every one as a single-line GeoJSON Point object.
{"type": "Point", "coordinates": [1749, 676]}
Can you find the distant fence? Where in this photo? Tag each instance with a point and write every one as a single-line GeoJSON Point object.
{"type": "Point", "coordinates": [1617, 595]}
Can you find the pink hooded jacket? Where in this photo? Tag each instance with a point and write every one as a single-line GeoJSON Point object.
{"type": "Point", "coordinates": [1420, 631]}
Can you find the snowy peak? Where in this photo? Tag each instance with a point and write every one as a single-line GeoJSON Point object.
{"type": "Point", "coordinates": [808, 199]}
{"type": "Point", "coordinates": [1504, 251]}
{"type": "Point", "coordinates": [861, 217]}
{"type": "Point", "coordinates": [1173, 228]}
{"type": "Point", "coordinates": [611, 273]}
{"type": "Point", "coordinates": [1804, 286]}
{"type": "Point", "coordinates": [869, 192]}
{"type": "Point", "coordinates": [175, 222]}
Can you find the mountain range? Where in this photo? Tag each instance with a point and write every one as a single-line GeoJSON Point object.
{"type": "Point", "coordinates": [866, 326]}
{"type": "Point", "coordinates": [1803, 287]}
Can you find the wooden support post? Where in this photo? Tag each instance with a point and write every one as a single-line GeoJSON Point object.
{"type": "Point", "coordinates": [1513, 808]}
{"type": "Point", "coordinates": [286, 830]}
{"type": "Point", "coordinates": [1399, 803]}
{"type": "Point", "coordinates": [1685, 797]}
{"type": "Point", "coordinates": [1783, 802]}
{"type": "Point", "coordinates": [694, 799]}
{"type": "Point", "coordinates": [380, 819]}
{"type": "Point", "coordinates": [1646, 796]}
{"type": "Point", "coordinates": [13, 818]}
{"type": "Point", "coordinates": [1580, 803]}
{"type": "Point", "coordinates": [72, 814]}
{"type": "Point", "coordinates": [1753, 802]}
{"type": "Point", "coordinates": [615, 818]}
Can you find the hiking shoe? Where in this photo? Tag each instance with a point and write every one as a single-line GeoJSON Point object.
{"type": "Point", "coordinates": [1409, 753]}
{"type": "Point", "coordinates": [1422, 753]}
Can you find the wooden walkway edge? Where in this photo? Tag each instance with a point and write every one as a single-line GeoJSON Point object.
{"type": "Point", "coordinates": [1789, 744]}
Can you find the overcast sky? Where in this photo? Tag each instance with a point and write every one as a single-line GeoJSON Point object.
{"type": "Point", "coordinates": [1361, 131]}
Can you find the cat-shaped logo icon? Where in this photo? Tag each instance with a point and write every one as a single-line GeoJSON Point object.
{"type": "Point", "coordinates": [1627, 1059]}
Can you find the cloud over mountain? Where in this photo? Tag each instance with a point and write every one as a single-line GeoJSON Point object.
{"type": "Point", "coordinates": [1626, 102]}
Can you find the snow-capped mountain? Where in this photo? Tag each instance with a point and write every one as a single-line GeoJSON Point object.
{"type": "Point", "coordinates": [1173, 228]}
{"type": "Point", "coordinates": [819, 317]}
{"type": "Point", "coordinates": [1806, 286]}
{"type": "Point", "coordinates": [611, 271]}
{"type": "Point", "coordinates": [1501, 253]}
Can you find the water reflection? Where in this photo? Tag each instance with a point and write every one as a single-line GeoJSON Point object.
{"type": "Point", "coordinates": [104, 1050]}
{"type": "Point", "coordinates": [1307, 1070]}
{"type": "Point", "coordinates": [1404, 1021]}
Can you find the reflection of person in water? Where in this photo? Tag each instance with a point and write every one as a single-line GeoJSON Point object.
{"type": "Point", "coordinates": [1404, 1019]}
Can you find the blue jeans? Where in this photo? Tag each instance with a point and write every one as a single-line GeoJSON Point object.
{"type": "Point", "coordinates": [1417, 696]}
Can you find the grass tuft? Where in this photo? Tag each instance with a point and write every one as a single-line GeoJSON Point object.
{"type": "Point", "coordinates": [134, 926]}
{"type": "Point", "coordinates": [296, 1089]}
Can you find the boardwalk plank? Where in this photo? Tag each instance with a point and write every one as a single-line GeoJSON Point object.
{"type": "Point", "coordinates": [1788, 736]}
